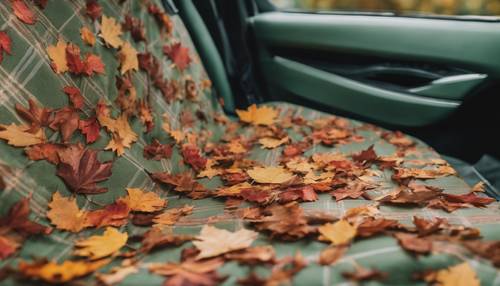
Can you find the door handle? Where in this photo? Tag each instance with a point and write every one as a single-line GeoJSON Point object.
{"type": "Point", "coordinates": [451, 87]}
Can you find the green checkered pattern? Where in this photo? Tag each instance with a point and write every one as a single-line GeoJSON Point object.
{"type": "Point", "coordinates": [27, 75]}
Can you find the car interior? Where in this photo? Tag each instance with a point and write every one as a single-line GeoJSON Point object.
{"type": "Point", "coordinates": [247, 142]}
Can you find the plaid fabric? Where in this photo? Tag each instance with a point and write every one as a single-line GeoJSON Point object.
{"type": "Point", "coordinates": [27, 75]}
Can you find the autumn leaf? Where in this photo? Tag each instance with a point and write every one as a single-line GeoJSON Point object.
{"type": "Point", "coordinates": [413, 243]}
{"type": "Point", "coordinates": [100, 246]}
{"type": "Point", "coordinates": [331, 254]}
{"type": "Point", "coordinates": [192, 156]}
{"type": "Point", "coordinates": [52, 272]}
{"type": "Point", "coordinates": [128, 58]}
{"type": "Point", "coordinates": [75, 96]}
{"type": "Point", "coordinates": [37, 116]}
{"type": "Point", "coordinates": [253, 255]}
{"type": "Point", "coordinates": [57, 55]}
{"type": "Point", "coordinates": [81, 170]}
{"type": "Point", "coordinates": [271, 143]}
{"type": "Point", "coordinates": [264, 115]}
{"type": "Point", "coordinates": [141, 201]}
{"type": "Point", "coordinates": [183, 183]}
{"type": "Point", "coordinates": [5, 44]}
{"type": "Point", "coordinates": [156, 237]}
{"type": "Point", "coordinates": [270, 175]}
{"type": "Point", "coordinates": [116, 275]}
{"type": "Point", "coordinates": [122, 134]}
{"type": "Point", "coordinates": [136, 28]}
{"type": "Point", "coordinates": [458, 275]}
{"type": "Point", "coordinates": [18, 135]}
{"type": "Point", "coordinates": [90, 128]}
{"type": "Point", "coordinates": [157, 151]}
{"type": "Point", "coordinates": [93, 64]}
{"type": "Point", "coordinates": [65, 120]}
{"type": "Point", "coordinates": [171, 216]}
{"type": "Point", "coordinates": [65, 214]}
{"type": "Point", "coordinates": [179, 55]}
{"type": "Point", "coordinates": [111, 31]}
{"type": "Point", "coordinates": [339, 233]}
{"type": "Point", "coordinates": [213, 241]}
{"type": "Point", "coordinates": [115, 214]}
{"type": "Point", "coordinates": [23, 12]}
{"type": "Point", "coordinates": [93, 9]}
{"type": "Point", "coordinates": [87, 36]}
{"type": "Point", "coordinates": [364, 274]}
{"type": "Point", "coordinates": [304, 193]}
{"type": "Point", "coordinates": [73, 58]}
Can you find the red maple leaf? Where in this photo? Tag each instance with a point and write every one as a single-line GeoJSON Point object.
{"type": "Point", "coordinates": [45, 151]}
{"type": "Point", "coordinates": [179, 55]}
{"type": "Point", "coordinates": [93, 64]}
{"type": "Point", "coordinates": [5, 44]}
{"type": "Point", "coordinates": [35, 115]}
{"type": "Point", "coordinates": [192, 156]}
{"type": "Point", "coordinates": [23, 12]}
{"type": "Point", "coordinates": [90, 128]}
{"type": "Point", "coordinates": [93, 9]}
{"type": "Point", "coordinates": [66, 121]}
{"type": "Point", "coordinates": [157, 151]}
{"type": "Point", "coordinates": [74, 95]}
{"type": "Point", "coordinates": [81, 170]}
{"type": "Point", "coordinates": [75, 64]}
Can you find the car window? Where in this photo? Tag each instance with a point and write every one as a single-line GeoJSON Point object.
{"type": "Point", "coordinates": [399, 7]}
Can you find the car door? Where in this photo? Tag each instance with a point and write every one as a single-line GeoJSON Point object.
{"type": "Point", "coordinates": [432, 76]}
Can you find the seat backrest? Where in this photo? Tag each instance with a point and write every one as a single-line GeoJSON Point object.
{"type": "Point", "coordinates": [168, 80]}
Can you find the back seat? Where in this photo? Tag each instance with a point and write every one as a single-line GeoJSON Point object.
{"type": "Point", "coordinates": [187, 115]}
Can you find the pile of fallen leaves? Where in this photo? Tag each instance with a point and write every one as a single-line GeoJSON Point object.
{"type": "Point", "coordinates": [267, 198]}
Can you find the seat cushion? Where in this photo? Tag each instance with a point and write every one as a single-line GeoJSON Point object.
{"type": "Point", "coordinates": [176, 106]}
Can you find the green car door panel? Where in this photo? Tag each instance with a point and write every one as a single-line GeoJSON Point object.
{"type": "Point", "coordinates": [466, 49]}
{"type": "Point", "coordinates": [342, 93]}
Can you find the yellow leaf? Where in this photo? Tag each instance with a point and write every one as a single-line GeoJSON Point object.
{"type": "Point", "coordinates": [17, 135]}
{"type": "Point", "coordinates": [65, 214]}
{"type": "Point", "coordinates": [123, 135]}
{"type": "Point", "coordinates": [213, 241]}
{"type": "Point", "coordinates": [311, 177]}
{"type": "Point", "coordinates": [128, 58]}
{"type": "Point", "coordinates": [60, 273]}
{"type": "Point", "coordinates": [338, 233]}
{"type": "Point", "coordinates": [57, 55]}
{"type": "Point", "coordinates": [459, 275]}
{"type": "Point", "coordinates": [210, 173]}
{"type": "Point", "coordinates": [235, 147]}
{"type": "Point", "coordinates": [233, 190]}
{"type": "Point", "coordinates": [270, 175]}
{"type": "Point", "coordinates": [272, 143]}
{"type": "Point", "coordinates": [141, 201]}
{"type": "Point", "coordinates": [258, 115]}
{"type": "Point", "coordinates": [99, 246]}
{"type": "Point", "coordinates": [178, 135]}
{"type": "Point", "coordinates": [87, 36]}
{"type": "Point", "coordinates": [299, 165]}
{"type": "Point", "coordinates": [111, 31]}
{"type": "Point", "coordinates": [171, 216]}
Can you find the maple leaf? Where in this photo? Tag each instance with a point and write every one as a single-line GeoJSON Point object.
{"type": "Point", "coordinates": [271, 143]}
{"type": "Point", "coordinates": [458, 275]}
{"type": "Point", "coordinates": [146, 115]}
{"type": "Point", "coordinates": [75, 96]}
{"type": "Point", "coordinates": [93, 9]}
{"type": "Point", "coordinates": [111, 31]}
{"type": "Point", "coordinates": [413, 243]}
{"type": "Point", "coordinates": [100, 246]}
{"type": "Point", "coordinates": [486, 249]}
{"type": "Point", "coordinates": [179, 55]}
{"type": "Point", "coordinates": [415, 194]}
{"type": "Point", "coordinates": [156, 238]}
{"type": "Point", "coordinates": [37, 116]}
{"type": "Point", "coordinates": [183, 183]}
{"type": "Point", "coordinates": [352, 191]}
{"type": "Point", "coordinates": [122, 133]}
{"type": "Point", "coordinates": [190, 272]}
{"type": "Point", "coordinates": [115, 214]}
{"type": "Point", "coordinates": [57, 55]}
{"type": "Point", "coordinates": [171, 216]}
{"type": "Point", "coordinates": [73, 59]}
{"type": "Point", "coordinates": [19, 135]}
{"type": "Point", "coordinates": [87, 36]}
{"type": "Point", "coordinates": [364, 274]}
{"type": "Point", "coordinates": [81, 170]}
{"type": "Point", "coordinates": [52, 272]}
{"type": "Point", "coordinates": [286, 221]}
{"type": "Point", "coordinates": [372, 226]}
{"type": "Point", "coordinates": [470, 198]}
{"type": "Point", "coordinates": [8, 246]}
{"type": "Point", "coordinates": [192, 156]}
{"type": "Point", "coordinates": [64, 213]}
{"type": "Point", "coordinates": [339, 233]}
{"type": "Point", "coordinates": [66, 121]}
{"type": "Point", "coordinates": [264, 115]}
{"type": "Point", "coordinates": [213, 241]}
{"type": "Point", "coordinates": [157, 151]}
{"type": "Point", "coordinates": [440, 171]}
{"type": "Point", "coordinates": [141, 201]}
{"type": "Point", "coordinates": [116, 275]}
{"type": "Point", "coordinates": [261, 196]}
{"type": "Point", "coordinates": [136, 28]}
{"type": "Point", "coordinates": [365, 157]}
{"type": "Point", "coordinates": [90, 128]}
{"type": "Point", "coordinates": [270, 175]}
{"type": "Point", "coordinates": [332, 254]}
{"type": "Point", "coordinates": [128, 58]}
{"type": "Point", "coordinates": [23, 12]}
{"type": "Point", "coordinates": [304, 193]}
{"type": "Point", "coordinates": [426, 227]}
{"type": "Point", "coordinates": [93, 64]}
{"type": "Point", "coordinates": [253, 255]}
{"type": "Point", "coordinates": [5, 44]}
